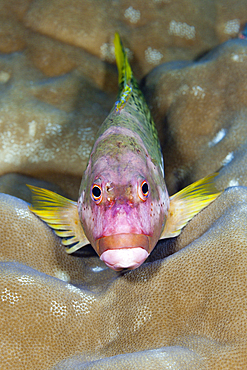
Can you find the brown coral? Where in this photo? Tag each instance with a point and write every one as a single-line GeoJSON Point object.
{"type": "Point", "coordinates": [185, 308]}
{"type": "Point", "coordinates": [53, 122]}
{"type": "Point", "coordinates": [200, 108]}
{"type": "Point", "coordinates": [188, 309]}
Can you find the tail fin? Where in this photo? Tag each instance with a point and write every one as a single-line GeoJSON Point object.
{"type": "Point", "coordinates": [124, 69]}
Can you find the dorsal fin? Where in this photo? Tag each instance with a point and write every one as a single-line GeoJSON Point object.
{"type": "Point", "coordinates": [61, 215]}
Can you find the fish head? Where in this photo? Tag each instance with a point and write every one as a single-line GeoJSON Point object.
{"type": "Point", "coordinates": [122, 207]}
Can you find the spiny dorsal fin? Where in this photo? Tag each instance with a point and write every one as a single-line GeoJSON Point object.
{"type": "Point", "coordinates": [61, 215]}
{"type": "Point", "coordinates": [185, 204]}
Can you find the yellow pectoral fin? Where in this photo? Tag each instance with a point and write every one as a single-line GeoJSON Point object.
{"type": "Point", "coordinates": [185, 204]}
{"type": "Point", "coordinates": [61, 215]}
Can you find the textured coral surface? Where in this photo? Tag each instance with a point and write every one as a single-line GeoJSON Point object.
{"type": "Point", "coordinates": [186, 307]}
{"type": "Point", "coordinates": [186, 311]}
{"type": "Point", "coordinates": [201, 108]}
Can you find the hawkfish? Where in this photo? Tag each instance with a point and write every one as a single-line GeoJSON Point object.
{"type": "Point", "coordinates": [123, 207]}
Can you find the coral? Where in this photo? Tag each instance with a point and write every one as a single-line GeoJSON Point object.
{"type": "Point", "coordinates": [42, 122]}
{"type": "Point", "coordinates": [176, 30]}
{"type": "Point", "coordinates": [60, 35]}
{"type": "Point", "coordinates": [185, 308]}
{"type": "Point", "coordinates": [15, 184]}
{"type": "Point", "coordinates": [184, 311]}
{"type": "Point", "coordinates": [204, 107]}
{"type": "Point", "coordinates": [58, 88]}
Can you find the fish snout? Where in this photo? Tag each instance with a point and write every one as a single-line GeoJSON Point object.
{"type": "Point", "coordinates": [119, 194]}
{"type": "Point", "coordinates": [123, 250]}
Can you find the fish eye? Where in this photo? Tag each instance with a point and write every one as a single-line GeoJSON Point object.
{"type": "Point", "coordinates": [96, 193]}
{"type": "Point", "coordinates": [144, 190]}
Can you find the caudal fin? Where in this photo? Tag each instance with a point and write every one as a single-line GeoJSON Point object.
{"type": "Point", "coordinates": [125, 77]}
{"type": "Point", "coordinates": [61, 215]}
{"type": "Point", "coordinates": [185, 204]}
{"type": "Point", "coordinates": [124, 69]}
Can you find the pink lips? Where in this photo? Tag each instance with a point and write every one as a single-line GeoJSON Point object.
{"type": "Point", "coordinates": [130, 258]}
{"type": "Point", "coordinates": [123, 250]}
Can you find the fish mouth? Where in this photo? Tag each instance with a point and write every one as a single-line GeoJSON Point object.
{"type": "Point", "coordinates": [123, 250]}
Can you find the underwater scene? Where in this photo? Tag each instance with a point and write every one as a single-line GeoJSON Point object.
{"type": "Point", "coordinates": [123, 174]}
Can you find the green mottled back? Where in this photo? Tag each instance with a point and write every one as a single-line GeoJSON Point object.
{"type": "Point", "coordinates": [131, 110]}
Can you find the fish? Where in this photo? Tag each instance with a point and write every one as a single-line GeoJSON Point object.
{"type": "Point", "coordinates": [123, 208]}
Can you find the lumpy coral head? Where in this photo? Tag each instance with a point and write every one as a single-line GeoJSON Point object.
{"type": "Point", "coordinates": [184, 311]}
